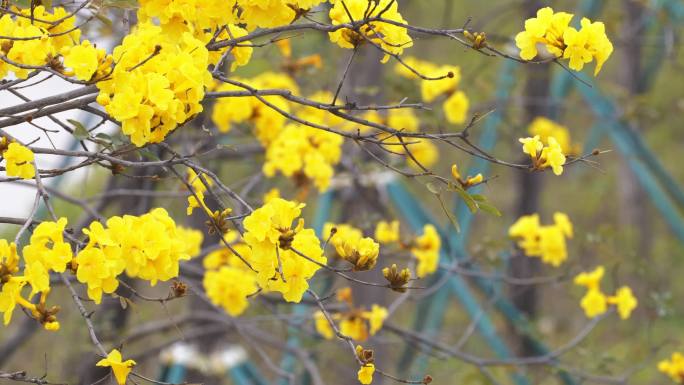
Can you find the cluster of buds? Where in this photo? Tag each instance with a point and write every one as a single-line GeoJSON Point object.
{"type": "Point", "coordinates": [397, 279]}
{"type": "Point", "coordinates": [467, 182]}
{"type": "Point", "coordinates": [219, 221]}
{"type": "Point", "coordinates": [478, 39]}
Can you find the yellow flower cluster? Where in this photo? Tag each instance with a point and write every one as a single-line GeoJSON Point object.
{"type": "Point", "coordinates": [149, 247]}
{"type": "Point", "coordinates": [284, 256]}
{"type": "Point", "coordinates": [544, 154]}
{"type": "Point", "coordinates": [545, 242]}
{"type": "Point", "coordinates": [267, 121]}
{"type": "Point", "coordinates": [158, 83]}
{"type": "Point", "coordinates": [87, 62]}
{"type": "Point", "coordinates": [228, 281]}
{"type": "Point", "coordinates": [595, 302]}
{"type": "Point", "coordinates": [391, 38]}
{"type": "Point", "coordinates": [297, 151]}
{"type": "Point", "coordinates": [47, 251]}
{"type": "Point", "coordinates": [553, 31]}
{"type": "Point", "coordinates": [36, 41]}
{"type": "Point", "coordinates": [18, 158]}
{"type": "Point", "coordinates": [120, 368]}
{"type": "Point", "coordinates": [674, 367]}
{"type": "Point", "coordinates": [229, 287]}
{"type": "Point", "coordinates": [350, 244]}
{"type": "Point", "coordinates": [302, 151]}
{"type": "Point", "coordinates": [205, 20]}
{"type": "Point", "coordinates": [456, 104]}
{"type": "Point", "coordinates": [356, 322]}
{"type": "Point", "coordinates": [272, 13]}
{"type": "Point", "coordinates": [546, 128]}
{"type": "Point", "coordinates": [425, 248]}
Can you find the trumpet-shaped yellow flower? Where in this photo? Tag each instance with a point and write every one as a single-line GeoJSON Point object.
{"type": "Point", "coordinates": [323, 326]}
{"type": "Point", "coordinates": [230, 287]}
{"type": "Point", "coordinates": [426, 250]}
{"type": "Point", "coordinates": [546, 128]}
{"type": "Point", "coordinates": [532, 146]}
{"type": "Point", "coordinates": [365, 374]}
{"type": "Point", "coordinates": [9, 295]}
{"type": "Point", "coordinates": [387, 232]}
{"type": "Point", "coordinates": [625, 301]}
{"type": "Point", "coordinates": [120, 368]}
{"type": "Point", "coordinates": [19, 161]}
{"type": "Point", "coordinates": [674, 367]}
{"type": "Point", "coordinates": [456, 107]}
{"type": "Point", "coordinates": [594, 303]}
{"type": "Point", "coordinates": [591, 280]}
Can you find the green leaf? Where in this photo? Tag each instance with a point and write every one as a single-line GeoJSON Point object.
{"type": "Point", "coordinates": [80, 132]}
{"type": "Point", "coordinates": [489, 208]}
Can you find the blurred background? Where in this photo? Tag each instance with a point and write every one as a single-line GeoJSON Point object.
{"type": "Point", "coordinates": [628, 212]}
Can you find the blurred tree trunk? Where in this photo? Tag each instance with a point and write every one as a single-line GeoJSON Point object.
{"type": "Point", "coordinates": [633, 212]}
{"type": "Point", "coordinates": [536, 94]}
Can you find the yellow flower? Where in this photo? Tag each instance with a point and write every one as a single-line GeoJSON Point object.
{"type": "Point", "coordinates": [591, 280]}
{"type": "Point", "coordinates": [532, 146]}
{"type": "Point", "coordinates": [473, 180]}
{"type": "Point", "coordinates": [526, 229]}
{"type": "Point", "coordinates": [323, 326]}
{"type": "Point", "coordinates": [9, 260]}
{"type": "Point", "coordinates": [120, 368]}
{"type": "Point", "coordinates": [365, 374]}
{"type": "Point", "coordinates": [456, 107]}
{"type": "Point", "coordinates": [19, 161]}
{"type": "Point", "coordinates": [562, 221]}
{"type": "Point", "coordinates": [354, 327]}
{"type": "Point", "coordinates": [83, 60]}
{"type": "Point", "coordinates": [674, 367]}
{"type": "Point", "coordinates": [546, 128]}
{"type": "Point", "coordinates": [196, 200]}
{"type": "Point", "coordinates": [99, 270]}
{"type": "Point", "coordinates": [392, 38]}
{"type": "Point", "coordinates": [625, 302]}
{"type": "Point", "coordinates": [376, 317]}
{"type": "Point", "coordinates": [552, 156]}
{"type": "Point", "coordinates": [424, 151]}
{"type": "Point", "coordinates": [426, 250]}
{"type": "Point", "coordinates": [230, 287]}
{"type": "Point", "coordinates": [594, 303]}
{"type": "Point", "coordinates": [10, 293]}
{"type": "Point", "coordinates": [547, 242]}
{"type": "Point", "coordinates": [362, 253]}
{"type": "Point", "coordinates": [387, 232]}
{"type": "Point", "coordinates": [599, 44]}
{"type": "Point", "coordinates": [576, 50]}
{"type": "Point", "coordinates": [432, 89]}
{"type": "Point", "coordinates": [46, 251]}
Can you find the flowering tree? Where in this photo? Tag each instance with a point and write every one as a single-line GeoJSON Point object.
{"type": "Point", "coordinates": [209, 130]}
